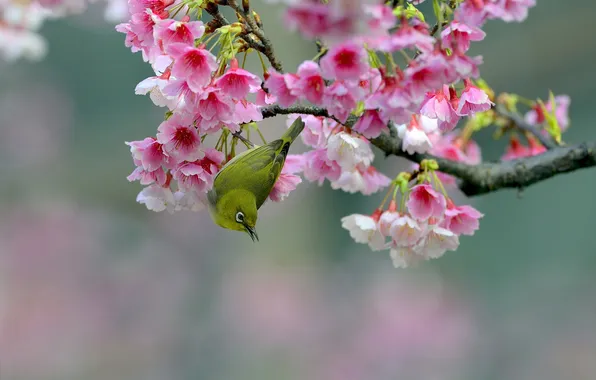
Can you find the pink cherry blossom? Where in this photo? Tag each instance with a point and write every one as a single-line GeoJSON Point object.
{"type": "Point", "coordinates": [215, 105]}
{"type": "Point", "coordinates": [244, 112]}
{"type": "Point", "coordinates": [387, 218]}
{"type": "Point", "coordinates": [180, 93]}
{"type": "Point", "coordinates": [370, 124]}
{"type": "Point", "coordinates": [285, 184]}
{"type": "Point", "coordinates": [366, 180]}
{"type": "Point", "coordinates": [316, 130]}
{"type": "Point", "coordinates": [148, 177]}
{"type": "Point", "coordinates": [425, 202]}
{"type": "Point", "coordinates": [281, 85]}
{"type": "Point", "coordinates": [414, 138]}
{"type": "Point", "coordinates": [237, 82]}
{"type": "Point", "coordinates": [310, 84]}
{"type": "Point", "coordinates": [314, 19]}
{"type": "Point", "coordinates": [428, 73]}
{"type": "Point", "coordinates": [149, 152]}
{"type": "Point", "coordinates": [393, 101]}
{"type": "Point", "coordinates": [364, 229]}
{"type": "Point", "coordinates": [471, 13]}
{"type": "Point", "coordinates": [536, 115]}
{"type": "Point", "coordinates": [458, 35]}
{"type": "Point", "coordinates": [461, 220]}
{"type": "Point", "coordinates": [436, 242]}
{"type": "Point", "coordinates": [157, 198]}
{"type": "Point", "coordinates": [287, 180]}
{"type": "Point", "coordinates": [349, 150]}
{"type": "Point", "coordinates": [344, 61]}
{"type": "Point", "coordinates": [340, 100]}
{"type": "Point", "coordinates": [264, 99]}
{"type": "Point", "coordinates": [171, 31]}
{"type": "Point", "coordinates": [189, 201]}
{"type": "Point", "coordinates": [199, 175]}
{"type": "Point", "coordinates": [473, 100]}
{"type": "Point", "coordinates": [156, 6]}
{"type": "Point", "coordinates": [405, 231]}
{"type": "Point", "coordinates": [180, 140]}
{"type": "Point", "coordinates": [194, 65]}
{"type": "Point", "coordinates": [510, 10]}
{"type": "Point", "coordinates": [407, 36]}
{"type": "Point", "coordinates": [463, 66]}
{"type": "Point", "coordinates": [404, 257]}
{"type": "Point", "coordinates": [319, 167]}
{"type": "Point", "coordinates": [439, 105]}
{"type": "Point", "coordinates": [515, 150]}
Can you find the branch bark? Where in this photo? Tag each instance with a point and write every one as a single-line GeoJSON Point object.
{"type": "Point", "coordinates": [483, 178]}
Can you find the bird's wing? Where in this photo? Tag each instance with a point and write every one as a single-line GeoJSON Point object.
{"type": "Point", "coordinates": [255, 170]}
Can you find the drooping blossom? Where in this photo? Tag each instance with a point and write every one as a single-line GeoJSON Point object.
{"type": "Point", "coordinates": [198, 175]}
{"type": "Point", "coordinates": [340, 99]}
{"type": "Point", "coordinates": [318, 167]}
{"type": "Point", "coordinates": [370, 124]}
{"type": "Point", "coordinates": [414, 138]}
{"type": "Point", "coordinates": [536, 115]}
{"type": "Point", "coordinates": [344, 61]}
{"type": "Point", "coordinates": [157, 198]}
{"type": "Point", "coordinates": [458, 36]}
{"type": "Point", "coordinates": [472, 100]}
{"type": "Point", "coordinates": [349, 150]}
{"type": "Point", "coordinates": [237, 82]}
{"type": "Point", "coordinates": [193, 64]}
{"type": "Point", "coordinates": [461, 220]}
{"type": "Point", "coordinates": [364, 229]}
{"type": "Point", "coordinates": [180, 140]}
{"type": "Point", "coordinates": [281, 85]}
{"type": "Point", "coordinates": [310, 84]}
{"type": "Point", "coordinates": [288, 180]}
{"type": "Point", "coordinates": [436, 242]}
{"type": "Point", "coordinates": [441, 105]}
{"type": "Point", "coordinates": [425, 202]}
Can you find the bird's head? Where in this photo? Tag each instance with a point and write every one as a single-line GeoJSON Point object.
{"type": "Point", "coordinates": [237, 210]}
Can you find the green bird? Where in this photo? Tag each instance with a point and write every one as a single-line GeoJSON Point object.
{"type": "Point", "coordinates": [244, 183]}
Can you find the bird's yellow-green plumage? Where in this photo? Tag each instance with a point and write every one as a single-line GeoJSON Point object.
{"type": "Point", "coordinates": [244, 183]}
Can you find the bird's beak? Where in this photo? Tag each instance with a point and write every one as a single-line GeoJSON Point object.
{"type": "Point", "coordinates": [252, 233]}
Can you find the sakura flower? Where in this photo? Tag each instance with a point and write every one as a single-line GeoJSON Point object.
{"type": "Point", "coordinates": [387, 218]}
{"type": "Point", "coordinates": [189, 201]}
{"type": "Point", "coordinates": [294, 164]}
{"type": "Point", "coordinates": [408, 36]}
{"type": "Point", "coordinates": [179, 139]}
{"type": "Point", "coordinates": [393, 101]}
{"type": "Point", "coordinates": [414, 139]}
{"type": "Point", "coordinates": [157, 7]}
{"type": "Point", "coordinates": [194, 65]}
{"type": "Point", "coordinates": [319, 167]}
{"type": "Point", "coordinates": [473, 100]}
{"type": "Point", "coordinates": [264, 99]}
{"type": "Point", "coordinates": [458, 35]}
{"type": "Point", "coordinates": [405, 231]}
{"type": "Point", "coordinates": [515, 150]}
{"type": "Point", "coordinates": [310, 84]}
{"type": "Point", "coordinates": [438, 105]}
{"type": "Point", "coordinates": [364, 180]}
{"type": "Point", "coordinates": [404, 257]}
{"type": "Point", "coordinates": [340, 100]}
{"type": "Point", "coordinates": [471, 13]}
{"type": "Point", "coordinates": [461, 220]}
{"type": "Point", "coordinates": [536, 115]}
{"type": "Point", "coordinates": [436, 242]}
{"type": "Point", "coordinates": [169, 31]}
{"type": "Point", "coordinates": [182, 95]}
{"type": "Point", "coordinates": [314, 19]}
{"type": "Point", "coordinates": [425, 202]}
{"type": "Point", "coordinates": [244, 112]}
{"type": "Point", "coordinates": [155, 87]}
{"type": "Point", "coordinates": [510, 10]}
{"type": "Point", "coordinates": [344, 61]}
{"type": "Point", "coordinates": [349, 150]}
{"type": "Point", "coordinates": [199, 175]}
{"type": "Point", "coordinates": [463, 66]}
{"type": "Point", "coordinates": [285, 184]}
{"type": "Point", "coordinates": [157, 198]}
{"type": "Point", "coordinates": [427, 73]}
{"type": "Point", "coordinates": [364, 229]}
{"type": "Point", "coordinates": [237, 82]}
{"type": "Point", "coordinates": [149, 152]}
{"type": "Point", "coordinates": [281, 85]}
{"type": "Point", "coordinates": [316, 130]}
{"type": "Point", "coordinates": [380, 19]}
{"type": "Point", "coordinates": [215, 105]}
{"type": "Point", "coordinates": [370, 124]}
{"type": "Point", "coordinates": [148, 177]}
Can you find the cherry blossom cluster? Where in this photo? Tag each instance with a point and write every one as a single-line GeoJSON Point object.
{"type": "Point", "coordinates": [425, 226]}
{"type": "Point", "coordinates": [380, 69]}
{"type": "Point", "coordinates": [20, 22]}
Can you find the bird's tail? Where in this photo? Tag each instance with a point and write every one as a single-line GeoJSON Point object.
{"type": "Point", "coordinates": [294, 131]}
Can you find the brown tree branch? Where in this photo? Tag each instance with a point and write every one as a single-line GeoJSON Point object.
{"type": "Point", "coordinates": [485, 177]}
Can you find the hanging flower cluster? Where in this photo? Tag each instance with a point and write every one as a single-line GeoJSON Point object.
{"type": "Point", "coordinates": [381, 69]}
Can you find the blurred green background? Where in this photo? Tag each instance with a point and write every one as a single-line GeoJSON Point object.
{"type": "Point", "coordinates": [94, 286]}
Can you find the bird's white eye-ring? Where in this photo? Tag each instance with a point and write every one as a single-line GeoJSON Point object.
{"type": "Point", "coordinates": [240, 217]}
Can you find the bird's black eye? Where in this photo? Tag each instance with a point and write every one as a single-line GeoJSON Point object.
{"type": "Point", "coordinates": [240, 217]}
